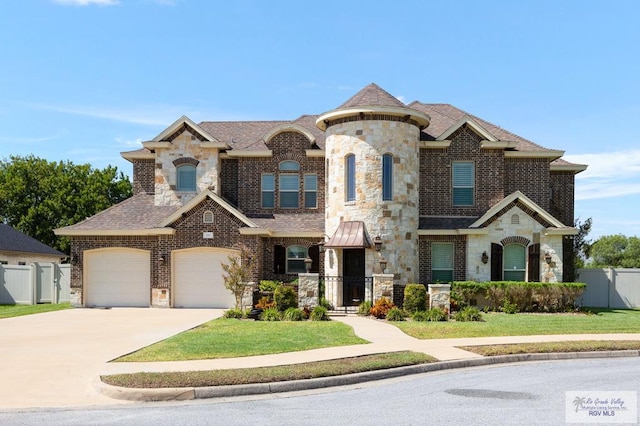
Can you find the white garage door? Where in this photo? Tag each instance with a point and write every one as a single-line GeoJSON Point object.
{"type": "Point", "coordinates": [117, 277]}
{"type": "Point", "coordinates": [197, 278]}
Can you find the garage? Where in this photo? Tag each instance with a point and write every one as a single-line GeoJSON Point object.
{"type": "Point", "coordinates": [198, 278]}
{"type": "Point", "coordinates": [118, 277]}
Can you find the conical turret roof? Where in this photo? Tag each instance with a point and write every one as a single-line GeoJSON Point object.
{"type": "Point", "coordinates": [372, 95]}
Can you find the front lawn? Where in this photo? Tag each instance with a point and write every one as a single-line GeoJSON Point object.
{"type": "Point", "coordinates": [228, 338]}
{"type": "Point", "coordinates": [9, 311]}
{"type": "Point", "coordinates": [524, 324]}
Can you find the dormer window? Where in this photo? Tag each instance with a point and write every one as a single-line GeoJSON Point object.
{"type": "Point", "coordinates": [186, 176]}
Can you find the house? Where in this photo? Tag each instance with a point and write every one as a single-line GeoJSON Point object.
{"type": "Point", "coordinates": [17, 248]}
{"type": "Point", "coordinates": [418, 192]}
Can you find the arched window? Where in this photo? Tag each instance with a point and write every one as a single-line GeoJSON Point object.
{"type": "Point", "coordinates": [387, 177]}
{"type": "Point", "coordinates": [289, 183]}
{"type": "Point", "coordinates": [515, 219]}
{"type": "Point", "coordinates": [186, 177]}
{"type": "Point", "coordinates": [515, 262]}
{"type": "Point", "coordinates": [350, 177]}
{"type": "Point", "coordinates": [295, 259]}
{"type": "Point", "coordinates": [207, 217]}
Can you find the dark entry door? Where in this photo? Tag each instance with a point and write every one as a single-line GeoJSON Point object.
{"type": "Point", "coordinates": [353, 277]}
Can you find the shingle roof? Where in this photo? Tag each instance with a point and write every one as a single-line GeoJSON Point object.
{"type": "Point", "coordinates": [294, 222]}
{"type": "Point", "coordinates": [137, 212]}
{"type": "Point", "coordinates": [13, 240]}
{"type": "Point", "coordinates": [372, 95]}
{"type": "Point", "coordinates": [427, 222]}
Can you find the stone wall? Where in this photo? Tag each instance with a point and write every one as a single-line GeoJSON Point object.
{"type": "Point", "coordinates": [308, 287]}
{"type": "Point", "coordinates": [185, 146]}
{"type": "Point", "coordinates": [382, 287]}
{"type": "Point", "coordinates": [440, 297]}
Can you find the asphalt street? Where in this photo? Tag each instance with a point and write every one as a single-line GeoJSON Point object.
{"type": "Point", "coordinates": [532, 393]}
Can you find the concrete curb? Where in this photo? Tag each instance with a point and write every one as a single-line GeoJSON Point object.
{"type": "Point", "coordinates": [182, 394]}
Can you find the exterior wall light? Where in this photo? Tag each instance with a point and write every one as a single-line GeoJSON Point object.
{"type": "Point", "coordinates": [307, 264]}
{"type": "Point", "coordinates": [383, 264]}
{"type": "Point", "coordinates": [161, 259]}
{"type": "Point", "coordinates": [377, 243]}
{"type": "Point", "coordinates": [484, 257]}
{"type": "Point", "coordinates": [547, 258]}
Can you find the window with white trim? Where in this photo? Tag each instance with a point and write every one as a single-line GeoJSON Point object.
{"type": "Point", "coordinates": [463, 183]}
{"type": "Point", "coordinates": [186, 177]}
{"type": "Point", "coordinates": [350, 177]}
{"type": "Point", "coordinates": [515, 262]}
{"type": "Point", "coordinates": [295, 259]}
{"type": "Point", "coordinates": [207, 217]}
{"type": "Point", "coordinates": [387, 177]}
{"type": "Point", "coordinates": [442, 262]}
{"type": "Point", "coordinates": [268, 188]}
{"type": "Point", "coordinates": [310, 191]}
{"type": "Point", "coordinates": [289, 185]}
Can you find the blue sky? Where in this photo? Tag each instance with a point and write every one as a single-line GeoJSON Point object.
{"type": "Point", "coordinates": [83, 80]}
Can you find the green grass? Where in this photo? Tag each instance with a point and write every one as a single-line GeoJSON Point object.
{"type": "Point", "coordinates": [499, 324]}
{"type": "Point", "coordinates": [548, 347]}
{"type": "Point", "coordinates": [10, 311]}
{"type": "Point", "coordinates": [228, 338]}
{"type": "Point", "coordinates": [269, 374]}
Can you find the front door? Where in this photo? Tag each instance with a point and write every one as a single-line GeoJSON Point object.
{"type": "Point", "coordinates": [353, 277]}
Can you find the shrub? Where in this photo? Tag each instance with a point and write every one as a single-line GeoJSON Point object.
{"type": "Point", "coordinates": [319, 313]}
{"type": "Point", "coordinates": [325, 303]}
{"type": "Point", "coordinates": [265, 303]}
{"type": "Point", "coordinates": [436, 314]}
{"type": "Point", "coordinates": [233, 313]}
{"type": "Point", "coordinates": [364, 308]}
{"type": "Point", "coordinates": [381, 308]}
{"type": "Point", "coordinates": [293, 314]}
{"type": "Point", "coordinates": [509, 307]}
{"type": "Point", "coordinates": [470, 313]}
{"type": "Point", "coordinates": [270, 314]}
{"type": "Point", "coordinates": [395, 314]}
{"type": "Point", "coordinates": [420, 316]}
{"type": "Point", "coordinates": [463, 291]}
{"type": "Point", "coordinates": [285, 298]}
{"type": "Point", "coordinates": [268, 285]}
{"type": "Point", "coordinates": [415, 298]}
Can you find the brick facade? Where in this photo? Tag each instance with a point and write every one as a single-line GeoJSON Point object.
{"type": "Point", "coordinates": [562, 198]}
{"type": "Point", "coordinates": [436, 176]}
{"type": "Point", "coordinates": [143, 176]}
{"type": "Point", "coordinates": [459, 255]}
{"type": "Point", "coordinates": [529, 176]}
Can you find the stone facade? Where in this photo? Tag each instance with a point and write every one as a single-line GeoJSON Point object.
{"type": "Point", "coordinates": [440, 297]}
{"type": "Point", "coordinates": [185, 145]}
{"type": "Point", "coordinates": [396, 220]}
{"type": "Point", "coordinates": [308, 287]}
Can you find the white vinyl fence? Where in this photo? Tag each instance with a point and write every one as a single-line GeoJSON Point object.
{"type": "Point", "coordinates": [35, 283]}
{"type": "Point", "coordinates": [611, 288]}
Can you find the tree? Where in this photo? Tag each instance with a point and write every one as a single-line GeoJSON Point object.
{"type": "Point", "coordinates": [39, 196]}
{"type": "Point", "coordinates": [617, 251]}
{"type": "Point", "coordinates": [238, 271]}
{"type": "Point", "coordinates": [581, 246]}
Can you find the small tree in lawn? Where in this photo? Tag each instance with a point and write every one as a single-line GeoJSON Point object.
{"type": "Point", "coordinates": [237, 273]}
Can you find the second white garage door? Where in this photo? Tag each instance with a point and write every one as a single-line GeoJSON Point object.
{"type": "Point", "coordinates": [198, 278]}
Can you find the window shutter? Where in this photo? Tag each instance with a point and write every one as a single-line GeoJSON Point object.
{"type": "Point", "coordinates": [534, 263]}
{"type": "Point", "coordinates": [496, 262]}
{"type": "Point", "coordinates": [279, 259]}
{"type": "Point", "coordinates": [314, 255]}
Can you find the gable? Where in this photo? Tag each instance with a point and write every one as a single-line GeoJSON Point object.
{"type": "Point", "coordinates": [522, 203]}
{"type": "Point", "coordinates": [187, 209]}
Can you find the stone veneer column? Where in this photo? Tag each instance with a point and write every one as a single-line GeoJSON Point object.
{"type": "Point", "coordinates": [440, 297]}
{"type": "Point", "coordinates": [308, 287]}
{"type": "Point", "coordinates": [76, 297]}
{"type": "Point", "coordinates": [396, 220]}
{"type": "Point", "coordinates": [160, 297]}
{"type": "Point", "coordinates": [382, 286]}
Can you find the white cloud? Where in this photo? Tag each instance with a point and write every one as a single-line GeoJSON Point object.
{"type": "Point", "coordinates": [609, 175]}
{"type": "Point", "coordinates": [87, 2]}
{"type": "Point", "coordinates": [156, 115]}
{"type": "Point", "coordinates": [128, 143]}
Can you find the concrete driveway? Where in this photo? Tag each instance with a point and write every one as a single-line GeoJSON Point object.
{"type": "Point", "coordinates": [52, 359]}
